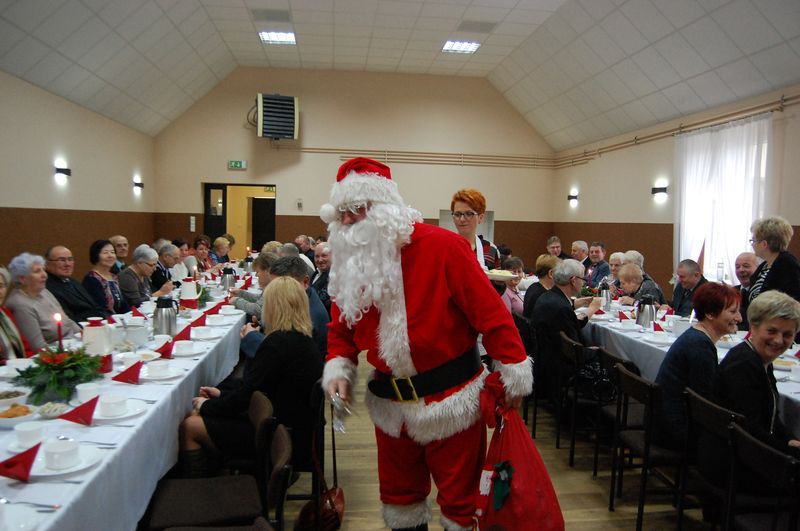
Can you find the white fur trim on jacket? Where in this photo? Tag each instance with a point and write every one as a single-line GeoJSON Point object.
{"type": "Point", "coordinates": [400, 516]}
{"type": "Point", "coordinates": [428, 422]}
{"type": "Point", "coordinates": [517, 377]}
{"type": "Point", "coordinates": [450, 525]}
{"type": "Point", "coordinates": [393, 332]}
{"type": "Point", "coordinates": [339, 368]}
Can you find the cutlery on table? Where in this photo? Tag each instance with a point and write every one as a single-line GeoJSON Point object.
{"type": "Point", "coordinates": [98, 443]}
{"type": "Point", "coordinates": [48, 506]}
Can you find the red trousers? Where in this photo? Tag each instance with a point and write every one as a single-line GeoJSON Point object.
{"type": "Point", "coordinates": [405, 468]}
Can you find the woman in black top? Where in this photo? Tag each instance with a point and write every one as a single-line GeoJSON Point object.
{"type": "Point", "coordinates": [286, 367]}
{"type": "Point", "coordinates": [745, 382]}
{"type": "Point", "coordinates": [545, 264]}
{"type": "Point", "coordinates": [780, 269]}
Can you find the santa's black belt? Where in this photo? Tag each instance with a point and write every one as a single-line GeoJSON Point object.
{"type": "Point", "coordinates": [442, 378]}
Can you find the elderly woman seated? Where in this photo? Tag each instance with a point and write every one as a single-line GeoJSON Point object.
{"type": "Point", "coordinates": [286, 368]}
{"type": "Point", "coordinates": [252, 303]}
{"type": "Point", "coordinates": [634, 286]}
{"type": "Point", "coordinates": [100, 283]}
{"type": "Point", "coordinates": [134, 280]}
{"type": "Point", "coordinates": [513, 299]}
{"type": "Point", "coordinates": [691, 361]}
{"type": "Point", "coordinates": [12, 343]}
{"type": "Point", "coordinates": [221, 248]}
{"type": "Point", "coordinates": [745, 383]}
{"type": "Point", "coordinates": [780, 269]}
{"type": "Point", "coordinates": [33, 305]}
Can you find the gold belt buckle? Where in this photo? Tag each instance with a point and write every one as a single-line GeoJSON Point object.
{"type": "Point", "coordinates": [397, 392]}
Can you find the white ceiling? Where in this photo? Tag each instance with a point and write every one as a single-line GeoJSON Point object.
{"type": "Point", "coordinates": [577, 70]}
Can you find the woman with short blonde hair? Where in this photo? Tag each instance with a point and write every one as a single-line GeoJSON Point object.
{"type": "Point", "coordinates": [286, 307]}
{"type": "Point", "coordinates": [780, 269]}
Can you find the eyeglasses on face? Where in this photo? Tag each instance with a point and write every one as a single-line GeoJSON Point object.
{"type": "Point", "coordinates": [149, 264]}
{"type": "Point", "coordinates": [63, 259]}
{"type": "Point", "coordinates": [355, 208]}
{"type": "Point", "coordinates": [469, 214]}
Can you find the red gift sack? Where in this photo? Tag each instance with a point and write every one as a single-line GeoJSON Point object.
{"type": "Point", "coordinates": [515, 491]}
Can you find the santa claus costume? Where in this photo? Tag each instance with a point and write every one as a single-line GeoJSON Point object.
{"type": "Point", "coordinates": [413, 296]}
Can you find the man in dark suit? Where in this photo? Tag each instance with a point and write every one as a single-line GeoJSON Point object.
{"type": "Point", "coordinates": [580, 252]}
{"type": "Point", "coordinates": [322, 255]}
{"type": "Point", "coordinates": [554, 314]}
{"type": "Point", "coordinates": [689, 279]}
{"type": "Point", "coordinates": [168, 256]}
{"type": "Point", "coordinates": [599, 268]}
{"type": "Point", "coordinates": [554, 248]}
{"type": "Point", "coordinates": [60, 264]}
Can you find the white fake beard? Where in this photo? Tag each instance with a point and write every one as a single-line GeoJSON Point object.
{"type": "Point", "coordinates": [365, 259]}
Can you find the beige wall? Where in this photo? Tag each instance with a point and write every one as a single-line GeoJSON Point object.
{"type": "Point", "coordinates": [616, 186]}
{"type": "Point", "coordinates": [355, 110]}
{"type": "Point", "coordinates": [37, 127]}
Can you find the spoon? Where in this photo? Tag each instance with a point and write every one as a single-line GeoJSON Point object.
{"type": "Point", "coordinates": [49, 506]}
{"type": "Point", "coordinates": [65, 438]}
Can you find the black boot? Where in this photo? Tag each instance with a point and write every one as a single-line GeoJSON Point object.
{"type": "Point", "coordinates": [421, 527]}
{"type": "Point", "coordinates": [193, 464]}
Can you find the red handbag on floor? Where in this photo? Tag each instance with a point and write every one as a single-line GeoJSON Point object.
{"type": "Point", "coordinates": [515, 492]}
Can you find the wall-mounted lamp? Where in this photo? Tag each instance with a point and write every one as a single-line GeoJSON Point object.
{"type": "Point", "coordinates": [659, 193]}
{"type": "Point", "coordinates": [62, 173]}
{"type": "Point", "coordinates": [138, 185]}
{"type": "Point", "coordinates": [573, 200]}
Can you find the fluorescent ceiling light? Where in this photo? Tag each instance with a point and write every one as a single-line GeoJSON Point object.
{"type": "Point", "coordinates": [461, 47]}
{"type": "Point", "coordinates": [277, 37]}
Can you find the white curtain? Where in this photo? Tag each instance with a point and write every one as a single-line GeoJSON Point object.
{"type": "Point", "coordinates": [721, 173]}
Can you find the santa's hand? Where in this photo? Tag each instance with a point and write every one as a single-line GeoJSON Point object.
{"type": "Point", "coordinates": [340, 388]}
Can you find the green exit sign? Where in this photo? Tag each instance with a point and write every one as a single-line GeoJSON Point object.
{"type": "Point", "coordinates": [237, 164]}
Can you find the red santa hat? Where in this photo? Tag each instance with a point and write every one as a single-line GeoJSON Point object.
{"type": "Point", "coordinates": [361, 179]}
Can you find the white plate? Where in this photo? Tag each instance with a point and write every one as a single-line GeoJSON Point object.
{"type": "Point", "coordinates": [235, 313]}
{"type": "Point", "coordinates": [618, 326]}
{"type": "Point", "coordinates": [5, 402]}
{"type": "Point", "coordinates": [15, 448]}
{"type": "Point", "coordinates": [132, 408]}
{"type": "Point", "coordinates": [87, 456]}
{"type": "Point", "coordinates": [216, 333]}
{"type": "Point", "coordinates": [197, 348]}
{"type": "Point", "coordinates": [728, 341]}
{"type": "Point", "coordinates": [8, 372]}
{"type": "Point", "coordinates": [603, 317]}
{"type": "Point", "coordinates": [171, 373]}
{"type": "Point", "coordinates": [223, 323]}
{"type": "Point", "coordinates": [783, 365]}
{"type": "Point", "coordinates": [8, 424]}
{"type": "Point", "coordinates": [150, 356]}
{"type": "Point", "coordinates": [17, 517]}
{"type": "Point", "coordinates": [660, 338]}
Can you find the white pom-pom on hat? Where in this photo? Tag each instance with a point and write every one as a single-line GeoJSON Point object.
{"type": "Point", "coordinates": [327, 213]}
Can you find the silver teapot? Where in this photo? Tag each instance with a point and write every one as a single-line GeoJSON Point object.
{"type": "Point", "coordinates": [646, 312]}
{"type": "Point", "coordinates": [248, 264]}
{"type": "Point", "coordinates": [165, 316]}
{"type": "Point", "coordinates": [605, 294]}
{"type": "Point", "coordinates": [228, 279]}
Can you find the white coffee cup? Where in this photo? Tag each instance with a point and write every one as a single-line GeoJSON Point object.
{"type": "Point", "coordinates": [129, 358]}
{"type": "Point", "coordinates": [160, 339]}
{"type": "Point", "coordinates": [87, 391]}
{"type": "Point", "coordinates": [201, 332]}
{"type": "Point", "coordinates": [628, 323]}
{"type": "Point", "coordinates": [135, 320]}
{"type": "Point", "coordinates": [679, 326]}
{"type": "Point", "coordinates": [60, 455]}
{"type": "Point", "coordinates": [137, 334]}
{"type": "Point", "coordinates": [158, 368]}
{"type": "Point", "coordinates": [28, 433]}
{"type": "Point", "coordinates": [183, 347]}
{"type": "Point", "coordinates": [147, 307]}
{"type": "Point", "coordinates": [228, 309]}
{"type": "Point", "coordinates": [112, 405]}
{"type": "Point", "coordinates": [215, 320]}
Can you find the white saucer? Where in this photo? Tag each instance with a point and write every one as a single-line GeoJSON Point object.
{"type": "Point", "coordinates": [20, 518]}
{"type": "Point", "coordinates": [618, 326]}
{"type": "Point", "coordinates": [220, 325]}
{"type": "Point", "coordinates": [87, 456]}
{"type": "Point", "coordinates": [15, 448]}
{"type": "Point", "coordinates": [132, 408]}
{"type": "Point", "coordinates": [657, 339]}
{"type": "Point", "coordinates": [197, 348]}
{"type": "Point", "coordinates": [216, 333]}
{"type": "Point", "coordinates": [171, 373]}
{"type": "Point", "coordinates": [236, 313]}
{"type": "Point", "coordinates": [603, 317]}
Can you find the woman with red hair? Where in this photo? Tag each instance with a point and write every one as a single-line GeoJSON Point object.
{"type": "Point", "coordinates": [692, 360]}
{"type": "Point", "coordinates": [468, 207]}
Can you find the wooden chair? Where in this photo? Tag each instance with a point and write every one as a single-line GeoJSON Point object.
{"type": "Point", "coordinates": [638, 442]}
{"type": "Point", "coordinates": [528, 338]}
{"type": "Point", "coordinates": [573, 355]}
{"type": "Point", "coordinates": [606, 414]}
{"type": "Point", "coordinates": [774, 468]}
{"type": "Point", "coordinates": [222, 500]}
{"type": "Point", "coordinates": [317, 401]}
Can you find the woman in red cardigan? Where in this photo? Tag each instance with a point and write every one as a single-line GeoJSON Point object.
{"type": "Point", "coordinates": [12, 343]}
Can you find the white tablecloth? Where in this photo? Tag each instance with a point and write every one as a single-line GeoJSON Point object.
{"type": "Point", "coordinates": [115, 492]}
{"type": "Point", "coordinates": [647, 356]}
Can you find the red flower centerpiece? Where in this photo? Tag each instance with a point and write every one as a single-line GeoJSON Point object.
{"type": "Point", "coordinates": [55, 373]}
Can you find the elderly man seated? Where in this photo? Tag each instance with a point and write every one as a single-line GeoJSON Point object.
{"type": "Point", "coordinates": [73, 297]}
{"type": "Point", "coordinates": [745, 264]}
{"type": "Point", "coordinates": [305, 244]}
{"type": "Point", "coordinates": [580, 252]}
{"type": "Point", "coordinates": [168, 256]}
{"type": "Point", "coordinates": [33, 305]}
{"type": "Point", "coordinates": [290, 249]}
{"type": "Point", "coordinates": [634, 286]}
{"type": "Point", "coordinates": [120, 244]}
{"type": "Point", "coordinates": [689, 279]}
{"type": "Point", "coordinates": [322, 256]}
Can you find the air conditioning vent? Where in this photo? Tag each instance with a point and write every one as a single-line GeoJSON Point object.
{"type": "Point", "coordinates": [277, 116]}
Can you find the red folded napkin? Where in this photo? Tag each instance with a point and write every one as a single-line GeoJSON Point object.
{"type": "Point", "coordinates": [83, 413]}
{"type": "Point", "coordinates": [183, 335]}
{"type": "Point", "coordinates": [599, 311]}
{"type": "Point", "coordinates": [747, 336]}
{"type": "Point", "coordinates": [200, 321]}
{"type": "Point", "coordinates": [247, 282]}
{"type": "Point", "coordinates": [670, 311]}
{"type": "Point", "coordinates": [110, 320]}
{"type": "Point", "coordinates": [622, 316]}
{"type": "Point", "coordinates": [657, 327]}
{"type": "Point", "coordinates": [797, 354]}
{"type": "Point", "coordinates": [165, 350]}
{"type": "Point", "coordinates": [214, 310]}
{"type": "Point", "coordinates": [107, 364]}
{"type": "Point", "coordinates": [226, 300]}
{"type": "Point", "coordinates": [136, 313]}
{"type": "Point", "coordinates": [130, 375]}
{"type": "Point", "coordinates": [19, 466]}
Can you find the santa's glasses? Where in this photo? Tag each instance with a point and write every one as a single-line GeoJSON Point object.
{"type": "Point", "coordinates": [356, 208]}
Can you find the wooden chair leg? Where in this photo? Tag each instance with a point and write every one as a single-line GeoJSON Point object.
{"type": "Point", "coordinates": [535, 412]}
{"type": "Point", "coordinates": [642, 492]}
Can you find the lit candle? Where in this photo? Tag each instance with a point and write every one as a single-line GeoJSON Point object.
{"type": "Point", "coordinates": [248, 249]}
{"type": "Point", "coordinates": [57, 317]}
{"type": "Point", "coordinates": [194, 272]}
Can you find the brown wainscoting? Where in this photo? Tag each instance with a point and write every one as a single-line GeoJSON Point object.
{"type": "Point", "coordinates": [36, 229]}
{"type": "Point", "coordinates": [173, 225]}
{"type": "Point", "coordinates": [287, 228]}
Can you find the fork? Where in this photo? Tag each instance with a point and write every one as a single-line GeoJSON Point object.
{"type": "Point", "coordinates": [145, 400]}
{"type": "Point", "coordinates": [48, 506]}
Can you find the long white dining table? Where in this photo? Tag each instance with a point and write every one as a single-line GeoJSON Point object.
{"type": "Point", "coordinates": [640, 348]}
{"type": "Point", "coordinates": [113, 493]}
